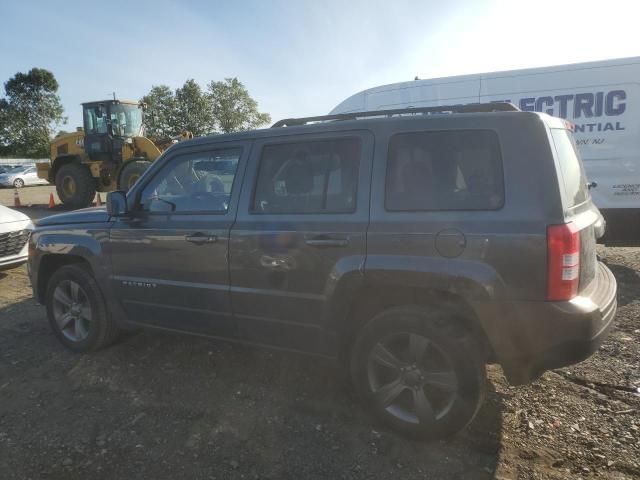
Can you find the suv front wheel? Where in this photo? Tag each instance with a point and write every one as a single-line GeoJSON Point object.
{"type": "Point", "coordinates": [76, 310]}
{"type": "Point", "coordinates": [418, 371]}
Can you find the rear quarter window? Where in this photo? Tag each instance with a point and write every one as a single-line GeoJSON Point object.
{"type": "Point", "coordinates": [572, 176]}
{"type": "Point", "coordinates": [444, 170]}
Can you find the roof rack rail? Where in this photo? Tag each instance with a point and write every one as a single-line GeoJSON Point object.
{"type": "Point", "coordinates": [468, 108]}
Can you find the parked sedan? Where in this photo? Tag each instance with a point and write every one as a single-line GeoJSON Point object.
{"type": "Point", "coordinates": [15, 228]}
{"type": "Point", "coordinates": [21, 176]}
{"type": "Point", "coordinates": [7, 168]}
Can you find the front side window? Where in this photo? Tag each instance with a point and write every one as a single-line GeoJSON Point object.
{"type": "Point", "coordinates": [95, 121]}
{"type": "Point", "coordinates": [308, 177]}
{"type": "Point", "coordinates": [444, 170]}
{"type": "Point", "coordinates": [198, 182]}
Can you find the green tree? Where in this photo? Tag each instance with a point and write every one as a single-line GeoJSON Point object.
{"type": "Point", "coordinates": [225, 107]}
{"type": "Point", "coordinates": [233, 108]}
{"type": "Point", "coordinates": [161, 112]}
{"type": "Point", "coordinates": [193, 112]}
{"type": "Point", "coordinates": [29, 113]}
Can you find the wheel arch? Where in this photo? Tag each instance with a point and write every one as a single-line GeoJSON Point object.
{"type": "Point", "coordinates": [51, 263]}
{"type": "Point", "coordinates": [369, 299]}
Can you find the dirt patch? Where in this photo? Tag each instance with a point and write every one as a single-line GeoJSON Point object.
{"type": "Point", "coordinates": [35, 195]}
{"type": "Point", "coordinates": [159, 406]}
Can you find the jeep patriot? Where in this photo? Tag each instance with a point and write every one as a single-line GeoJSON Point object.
{"type": "Point", "coordinates": [413, 246]}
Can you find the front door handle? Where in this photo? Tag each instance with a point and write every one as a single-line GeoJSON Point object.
{"type": "Point", "coordinates": [201, 238]}
{"type": "Point", "coordinates": [327, 241]}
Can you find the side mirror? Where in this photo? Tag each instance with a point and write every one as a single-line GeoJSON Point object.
{"type": "Point", "coordinates": [117, 203]}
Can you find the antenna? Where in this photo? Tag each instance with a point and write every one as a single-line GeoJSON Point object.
{"type": "Point", "coordinates": [114, 96]}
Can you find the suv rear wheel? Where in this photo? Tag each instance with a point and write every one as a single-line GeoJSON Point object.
{"type": "Point", "coordinates": [76, 310]}
{"type": "Point", "coordinates": [419, 372]}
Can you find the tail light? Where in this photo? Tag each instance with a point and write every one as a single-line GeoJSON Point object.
{"type": "Point", "coordinates": [563, 257]}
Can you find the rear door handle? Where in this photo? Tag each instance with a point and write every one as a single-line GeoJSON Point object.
{"type": "Point", "coordinates": [327, 241]}
{"type": "Point", "coordinates": [201, 238]}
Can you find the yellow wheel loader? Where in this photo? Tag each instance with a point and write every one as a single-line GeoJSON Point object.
{"type": "Point", "coordinates": [110, 152]}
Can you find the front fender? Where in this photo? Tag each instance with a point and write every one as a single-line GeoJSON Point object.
{"type": "Point", "coordinates": [81, 243]}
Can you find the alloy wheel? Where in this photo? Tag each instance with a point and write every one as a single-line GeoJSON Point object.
{"type": "Point", "coordinates": [72, 310]}
{"type": "Point", "coordinates": [411, 378]}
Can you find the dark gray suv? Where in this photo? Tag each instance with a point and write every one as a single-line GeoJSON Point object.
{"type": "Point", "coordinates": [414, 246]}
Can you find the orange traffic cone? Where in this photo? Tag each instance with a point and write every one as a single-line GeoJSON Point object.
{"type": "Point", "coordinates": [16, 198]}
{"type": "Point", "coordinates": [98, 200]}
{"type": "Point", "coordinates": [52, 202]}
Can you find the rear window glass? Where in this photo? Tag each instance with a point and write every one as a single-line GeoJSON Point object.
{"type": "Point", "coordinates": [573, 178]}
{"type": "Point", "coordinates": [448, 170]}
{"type": "Point", "coordinates": [308, 177]}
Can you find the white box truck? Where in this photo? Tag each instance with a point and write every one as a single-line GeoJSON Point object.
{"type": "Point", "coordinates": [602, 100]}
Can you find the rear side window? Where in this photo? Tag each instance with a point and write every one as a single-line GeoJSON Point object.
{"type": "Point", "coordinates": [444, 170]}
{"type": "Point", "coordinates": [573, 178]}
{"type": "Point", "coordinates": [308, 177]}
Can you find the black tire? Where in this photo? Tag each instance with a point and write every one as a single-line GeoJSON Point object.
{"type": "Point", "coordinates": [18, 183]}
{"type": "Point", "coordinates": [75, 186]}
{"type": "Point", "coordinates": [131, 172]}
{"type": "Point", "coordinates": [450, 360]}
{"type": "Point", "coordinates": [100, 329]}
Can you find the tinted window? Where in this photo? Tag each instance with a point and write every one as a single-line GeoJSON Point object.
{"type": "Point", "coordinates": [573, 178]}
{"type": "Point", "coordinates": [199, 182]}
{"type": "Point", "coordinates": [454, 170]}
{"type": "Point", "coordinates": [308, 177]}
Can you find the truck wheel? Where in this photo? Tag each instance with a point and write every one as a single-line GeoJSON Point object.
{"type": "Point", "coordinates": [76, 310]}
{"type": "Point", "coordinates": [131, 173]}
{"type": "Point", "coordinates": [419, 372]}
{"type": "Point", "coordinates": [75, 185]}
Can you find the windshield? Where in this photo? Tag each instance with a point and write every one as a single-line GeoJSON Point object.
{"type": "Point", "coordinates": [126, 120]}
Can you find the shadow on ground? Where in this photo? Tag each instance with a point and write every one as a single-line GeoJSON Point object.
{"type": "Point", "coordinates": [160, 406]}
{"type": "Point", "coordinates": [628, 283]}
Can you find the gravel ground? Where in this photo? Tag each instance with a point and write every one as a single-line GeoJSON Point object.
{"type": "Point", "coordinates": [160, 406]}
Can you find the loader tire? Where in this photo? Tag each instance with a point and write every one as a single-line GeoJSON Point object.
{"type": "Point", "coordinates": [131, 173]}
{"type": "Point", "coordinates": [75, 186]}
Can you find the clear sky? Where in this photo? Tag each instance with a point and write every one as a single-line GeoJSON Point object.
{"type": "Point", "coordinates": [300, 57]}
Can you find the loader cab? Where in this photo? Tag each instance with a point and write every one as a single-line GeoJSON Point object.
{"type": "Point", "coordinates": [108, 125]}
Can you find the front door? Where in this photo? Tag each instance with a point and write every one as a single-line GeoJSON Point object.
{"type": "Point", "coordinates": [169, 257]}
{"type": "Point", "coordinates": [300, 229]}
{"type": "Point", "coordinates": [97, 135]}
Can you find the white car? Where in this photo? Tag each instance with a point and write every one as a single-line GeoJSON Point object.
{"type": "Point", "coordinates": [15, 228]}
{"type": "Point", "coordinates": [21, 176]}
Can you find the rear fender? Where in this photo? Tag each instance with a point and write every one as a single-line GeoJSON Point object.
{"type": "Point", "coordinates": [472, 280]}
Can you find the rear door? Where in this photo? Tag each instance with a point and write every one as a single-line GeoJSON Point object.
{"type": "Point", "coordinates": [301, 226]}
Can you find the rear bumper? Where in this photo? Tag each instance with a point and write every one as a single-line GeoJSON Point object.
{"type": "Point", "coordinates": [531, 337]}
